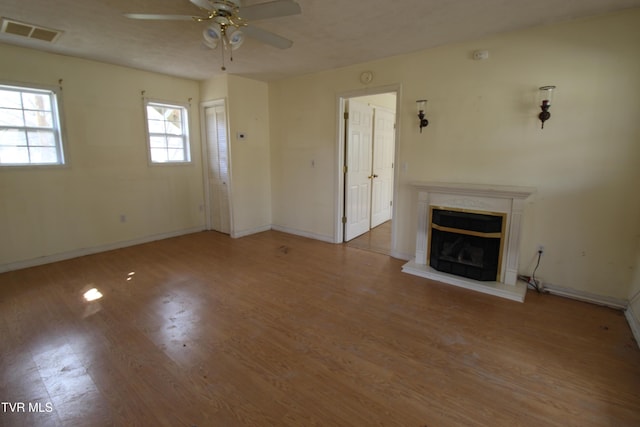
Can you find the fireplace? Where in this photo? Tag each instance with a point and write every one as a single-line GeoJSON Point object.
{"type": "Point", "coordinates": [467, 244]}
{"type": "Point", "coordinates": [469, 236]}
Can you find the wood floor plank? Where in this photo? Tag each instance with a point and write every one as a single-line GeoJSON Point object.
{"type": "Point", "coordinates": [275, 329]}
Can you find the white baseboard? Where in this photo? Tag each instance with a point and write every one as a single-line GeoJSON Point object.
{"type": "Point", "coordinates": [402, 256]}
{"type": "Point", "coordinates": [328, 239]}
{"type": "Point", "coordinates": [243, 233]}
{"type": "Point", "coordinates": [617, 303]}
{"type": "Point", "coordinates": [94, 250]}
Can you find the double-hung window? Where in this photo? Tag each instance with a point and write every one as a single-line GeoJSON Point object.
{"type": "Point", "coordinates": [30, 131]}
{"type": "Point", "coordinates": [167, 132]}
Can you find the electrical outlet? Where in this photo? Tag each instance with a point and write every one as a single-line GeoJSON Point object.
{"type": "Point", "coordinates": [541, 249]}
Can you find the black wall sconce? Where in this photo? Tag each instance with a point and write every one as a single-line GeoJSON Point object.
{"type": "Point", "coordinates": [546, 93]}
{"type": "Point", "coordinates": [422, 107]}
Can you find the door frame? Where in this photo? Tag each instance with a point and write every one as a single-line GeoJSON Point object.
{"type": "Point", "coordinates": [339, 182]}
{"type": "Point", "coordinates": [204, 142]}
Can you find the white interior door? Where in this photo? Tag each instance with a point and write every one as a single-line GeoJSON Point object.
{"type": "Point", "coordinates": [358, 145]}
{"type": "Point", "coordinates": [218, 160]}
{"type": "Point", "coordinates": [383, 152]}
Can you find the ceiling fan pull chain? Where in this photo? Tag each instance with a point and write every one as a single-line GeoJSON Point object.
{"type": "Point", "coordinates": [222, 53]}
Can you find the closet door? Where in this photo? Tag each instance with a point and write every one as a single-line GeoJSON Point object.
{"type": "Point", "coordinates": [218, 153]}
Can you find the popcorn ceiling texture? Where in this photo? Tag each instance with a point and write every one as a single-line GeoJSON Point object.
{"type": "Point", "coordinates": [328, 34]}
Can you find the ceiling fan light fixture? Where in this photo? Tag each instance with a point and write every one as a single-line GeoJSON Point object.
{"type": "Point", "coordinates": [212, 35]}
{"type": "Point", "coordinates": [221, 20]}
{"type": "Point", "coordinates": [228, 25]}
{"type": "Point", "coordinates": [235, 38]}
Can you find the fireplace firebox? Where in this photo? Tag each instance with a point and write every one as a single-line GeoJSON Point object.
{"type": "Point", "coordinates": [466, 243]}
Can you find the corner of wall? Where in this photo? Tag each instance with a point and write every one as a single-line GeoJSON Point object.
{"type": "Point", "coordinates": [633, 317]}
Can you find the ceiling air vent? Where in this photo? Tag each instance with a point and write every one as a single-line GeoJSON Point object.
{"type": "Point", "coordinates": [29, 31]}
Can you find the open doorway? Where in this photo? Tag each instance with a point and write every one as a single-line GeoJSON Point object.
{"type": "Point", "coordinates": [368, 146]}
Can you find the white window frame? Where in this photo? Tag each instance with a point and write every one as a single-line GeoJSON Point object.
{"type": "Point", "coordinates": [54, 94]}
{"type": "Point", "coordinates": [186, 143]}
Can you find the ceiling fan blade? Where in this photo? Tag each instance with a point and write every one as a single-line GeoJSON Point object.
{"type": "Point", "coordinates": [153, 17]}
{"type": "Point", "coordinates": [267, 37]}
{"type": "Point", "coordinates": [272, 9]}
{"type": "Point", "coordinates": [203, 4]}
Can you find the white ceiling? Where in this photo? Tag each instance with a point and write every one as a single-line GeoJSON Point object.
{"type": "Point", "coordinates": [328, 34]}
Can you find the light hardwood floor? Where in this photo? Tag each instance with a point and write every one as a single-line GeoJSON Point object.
{"type": "Point", "coordinates": [377, 239]}
{"type": "Point", "coordinates": [274, 329]}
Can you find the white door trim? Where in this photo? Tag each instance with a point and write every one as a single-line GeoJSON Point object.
{"type": "Point", "coordinates": [339, 181]}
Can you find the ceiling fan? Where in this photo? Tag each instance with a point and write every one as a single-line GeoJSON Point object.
{"type": "Point", "coordinates": [229, 22]}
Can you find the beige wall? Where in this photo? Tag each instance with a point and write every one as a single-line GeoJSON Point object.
{"type": "Point", "coordinates": [250, 157]}
{"type": "Point", "coordinates": [303, 140]}
{"type": "Point", "coordinates": [52, 211]}
{"type": "Point", "coordinates": [484, 129]}
{"type": "Point", "coordinates": [215, 88]}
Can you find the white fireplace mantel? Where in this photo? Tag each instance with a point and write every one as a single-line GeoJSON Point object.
{"type": "Point", "coordinates": [508, 200]}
